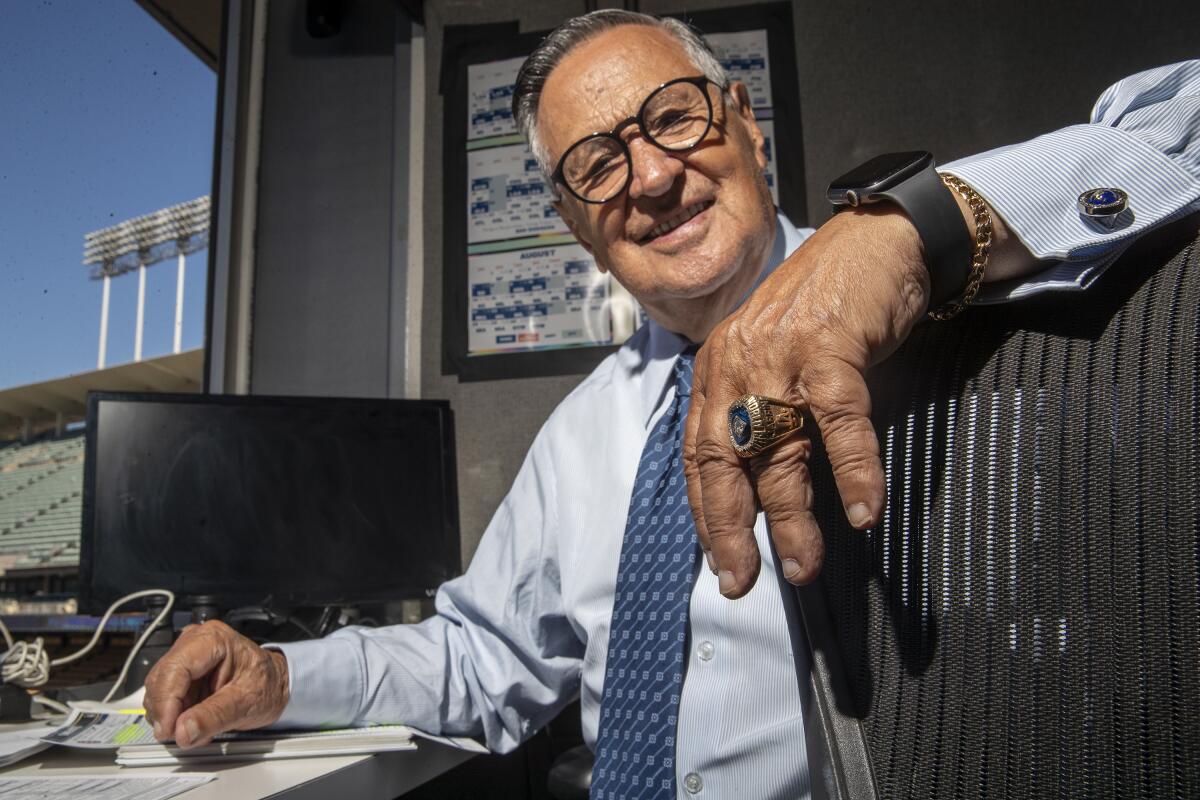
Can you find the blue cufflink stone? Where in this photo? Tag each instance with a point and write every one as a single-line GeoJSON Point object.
{"type": "Point", "coordinates": [739, 425]}
{"type": "Point", "coordinates": [1103, 205]}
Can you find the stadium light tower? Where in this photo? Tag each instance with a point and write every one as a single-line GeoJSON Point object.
{"type": "Point", "coordinates": [139, 243]}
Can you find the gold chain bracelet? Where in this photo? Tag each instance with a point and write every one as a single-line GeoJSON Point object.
{"type": "Point", "coordinates": [979, 257]}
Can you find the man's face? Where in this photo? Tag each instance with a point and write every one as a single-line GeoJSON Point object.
{"type": "Point", "coordinates": [713, 257]}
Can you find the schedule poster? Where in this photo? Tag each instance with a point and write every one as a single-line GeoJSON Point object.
{"type": "Point", "coordinates": [531, 287]}
{"type": "Point", "coordinates": [527, 287]}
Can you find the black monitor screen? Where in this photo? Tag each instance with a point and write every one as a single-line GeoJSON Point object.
{"type": "Point", "coordinates": [305, 501]}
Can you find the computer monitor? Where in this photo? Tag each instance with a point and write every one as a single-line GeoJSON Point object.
{"type": "Point", "coordinates": [306, 501]}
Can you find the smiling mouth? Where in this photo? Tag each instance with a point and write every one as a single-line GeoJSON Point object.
{"type": "Point", "coordinates": [665, 227]}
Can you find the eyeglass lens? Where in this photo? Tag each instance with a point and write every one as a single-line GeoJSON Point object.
{"type": "Point", "coordinates": [675, 117]}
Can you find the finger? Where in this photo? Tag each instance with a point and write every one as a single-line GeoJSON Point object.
{"type": "Point", "coordinates": [224, 673]}
{"type": "Point", "coordinates": [785, 490]}
{"type": "Point", "coordinates": [226, 710]}
{"type": "Point", "coordinates": [691, 469]}
{"type": "Point", "coordinates": [170, 685]}
{"type": "Point", "coordinates": [156, 710]}
{"type": "Point", "coordinates": [729, 504]}
{"type": "Point", "coordinates": [841, 406]}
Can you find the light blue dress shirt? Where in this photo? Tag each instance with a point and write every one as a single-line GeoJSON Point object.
{"type": "Point", "coordinates": [526, 628]}
{"type": "Point", "coordinates": [1143, 137]}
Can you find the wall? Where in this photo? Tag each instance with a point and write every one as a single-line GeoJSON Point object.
{"type": "Point", "coordinates": [326, 261]}
{"type": "Point", "coordinates": [950, 77]}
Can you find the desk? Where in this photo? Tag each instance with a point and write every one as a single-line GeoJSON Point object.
{"type": "Point", "coordinates": [382, 776]}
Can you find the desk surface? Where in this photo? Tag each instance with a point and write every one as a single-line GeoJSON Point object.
{"type": "Point", "coordinates": [383, 775]}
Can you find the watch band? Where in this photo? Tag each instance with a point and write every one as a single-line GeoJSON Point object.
{"type": "Point", "coordinates": [933, 211]}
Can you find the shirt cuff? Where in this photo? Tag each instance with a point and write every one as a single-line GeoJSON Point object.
{"type": "Point", "coordinates": [325, 683]}
{"type": "Point", "coordinates": [1034, 187]}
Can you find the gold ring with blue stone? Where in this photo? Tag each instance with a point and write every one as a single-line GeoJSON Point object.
{"type": "Point", "coordinates": [757, 423]}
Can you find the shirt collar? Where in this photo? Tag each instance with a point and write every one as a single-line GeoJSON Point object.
{"type": "Point", "coordinates": [663, 347]}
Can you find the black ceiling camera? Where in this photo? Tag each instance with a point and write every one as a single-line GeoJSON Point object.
{"type": "Point", "coordinates": [323, 18]}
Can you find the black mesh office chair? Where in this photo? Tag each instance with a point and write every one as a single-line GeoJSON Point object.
{"type": "Point", "coordinates": [1025, 622]}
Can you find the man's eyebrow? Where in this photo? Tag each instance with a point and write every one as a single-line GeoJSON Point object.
{"type": "Point", "coordinates": [609, 119]}
{"type": "Point", "coordinates": [618, 106]}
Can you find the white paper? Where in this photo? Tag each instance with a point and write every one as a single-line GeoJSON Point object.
{"type": "Point", "coordinates": [744, 56]}
{"type": "Point", "coordinates": [507, 197]}
{"type": "Point", "coordinates": [489, 107]}
{"type": "Point", "coordinates": [537, 298]}
{"type": "Point", "coordinates": [306, 735]}
{"type": "Point", "coordinates": [99, 787]}
{"type": "Point", "coordinates": [102, 731]}
{"type": "Point", "coordinates": [130, 757]}
{"type": "Point", "coordinates": [110, 730]}
{"type": "Point", "coordinates": [21, 743]}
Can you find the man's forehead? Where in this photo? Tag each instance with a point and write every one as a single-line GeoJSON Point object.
{"type": "Point", "coordinates": [603, 80]}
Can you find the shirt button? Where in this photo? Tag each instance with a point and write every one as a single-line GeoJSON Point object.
{"type": "Point", "coordinates": [692, 783]}
{"type": "Point", "coordinates": [705, 650]}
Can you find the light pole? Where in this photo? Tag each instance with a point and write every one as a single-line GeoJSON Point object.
{"type": "Point", "coordinates": [139, 243]}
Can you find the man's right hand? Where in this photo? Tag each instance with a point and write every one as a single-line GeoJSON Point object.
{"type": "Point", "coordinates": [214, 680]}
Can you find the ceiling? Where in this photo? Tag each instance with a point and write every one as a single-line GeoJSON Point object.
{"type": "Point", "coordinates": [195, 23]}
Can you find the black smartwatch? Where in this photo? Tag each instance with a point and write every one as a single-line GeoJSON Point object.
{"type": "Point", "coordinates": [910, 181]}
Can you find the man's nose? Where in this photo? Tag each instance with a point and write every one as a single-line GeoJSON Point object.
{"type": "Point", "coordinates": [654, 170]}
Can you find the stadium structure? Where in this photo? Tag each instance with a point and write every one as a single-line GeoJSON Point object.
{"type": "Point", "coordinates": [41, 468]}
{"type": "Point", "coordinates": [42, 424]}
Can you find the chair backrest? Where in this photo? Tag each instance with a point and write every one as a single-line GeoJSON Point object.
{"type": "Point", "coordinates": [1025, 622]}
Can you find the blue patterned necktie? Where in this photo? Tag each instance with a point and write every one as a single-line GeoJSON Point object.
{"type": "Point", "coordinates": [635, 754]}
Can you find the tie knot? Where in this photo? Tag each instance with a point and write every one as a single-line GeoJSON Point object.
{"type": "Point", "coordinates": [683, 373]}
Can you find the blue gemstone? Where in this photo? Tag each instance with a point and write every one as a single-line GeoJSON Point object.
{"type": "Point", "coordinates": [1104, 197]}
{"type": "Point", "coordinates": [739, 425]}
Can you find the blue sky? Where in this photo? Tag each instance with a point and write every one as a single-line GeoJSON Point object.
{"type": "Point", "coordinates": [103, 116]}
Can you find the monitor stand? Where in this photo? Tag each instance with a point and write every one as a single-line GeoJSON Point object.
{"type": "Point", "coordinates": [203, 608]}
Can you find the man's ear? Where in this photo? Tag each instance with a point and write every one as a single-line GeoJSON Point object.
{"type": "Point", "coordinates": [740, 104]}
{"type": "Point", "coordinates": [573, 226]}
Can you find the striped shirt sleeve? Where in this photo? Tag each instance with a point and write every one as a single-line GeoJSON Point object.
{"type": "Point", "coordinates": [1143, 137]}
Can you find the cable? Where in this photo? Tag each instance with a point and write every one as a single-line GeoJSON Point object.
{"type": "Point", "coordinates": [164, 614]}
{"type": "Point", "coordinates": [54, 705]}
{"type": "Point", "coordinates": [27, 665]}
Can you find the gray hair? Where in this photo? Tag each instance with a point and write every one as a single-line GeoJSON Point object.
{"type": "Point", "coordinates": [531, 79]}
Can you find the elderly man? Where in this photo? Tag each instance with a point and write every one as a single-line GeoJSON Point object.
{"type": "Point", "coordinates": [587, 579]}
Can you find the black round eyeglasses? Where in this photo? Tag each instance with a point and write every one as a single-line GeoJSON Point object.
{"type": "Point", "coordinates": [675, 117]}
